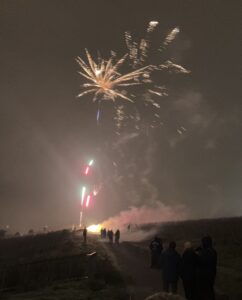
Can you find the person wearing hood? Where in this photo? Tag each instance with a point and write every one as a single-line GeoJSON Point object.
{"type": "Point", "coordinates": [188, 271]}
{"type": "Point", "coordinates": [206, 270]}
{"type": "Point", "coordinates": [156, 248]}
{"type": "Point", "coordinates": [170, 265]}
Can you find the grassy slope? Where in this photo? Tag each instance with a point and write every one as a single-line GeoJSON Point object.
{"type": "Point", "coordinates": [106, 284]}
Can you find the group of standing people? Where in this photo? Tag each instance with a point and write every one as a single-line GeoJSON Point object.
{"type": "Point", "coordinates": [110, 235]}
{"type": "Point", "coordinates": [196, 267]}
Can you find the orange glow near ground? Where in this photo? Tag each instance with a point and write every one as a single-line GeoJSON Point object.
{"type": "Point", "coordinates": [94, 228]}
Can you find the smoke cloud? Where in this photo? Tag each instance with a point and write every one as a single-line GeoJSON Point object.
{"type": "Point", "coordinates": [135, 216]}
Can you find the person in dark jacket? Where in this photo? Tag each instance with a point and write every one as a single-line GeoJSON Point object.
{"type": "Point", "coordinates": [206, 271]}
{"type": "Point", "coordinates": [85, 234]}
{"type": "Point", "coordinates": [170, 265]}
{"type": "Point", "coordinates": [188, 271]}
{"type": "Point", "coordinates": [104, 233]}
{"type": "Point", "coordinates": [117, 236]}
{"type": "Point", "coordinates": [110, 236]}
{"type": "Point", "coordinates": [156, 248]}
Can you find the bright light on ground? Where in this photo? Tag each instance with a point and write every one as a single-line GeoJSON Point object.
{"type": "Point", "coordinates": [94, 228]}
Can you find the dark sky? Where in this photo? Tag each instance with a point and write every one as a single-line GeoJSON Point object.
{"type": "Point", "coordinates": [47, 133]}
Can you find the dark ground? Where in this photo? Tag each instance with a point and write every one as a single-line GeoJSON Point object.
{"type": "Point", "coordinates": [122, 271]}
{"type": "Point", "coordinates": [132, 258]}
{"type": "Point", "coordinates": [133, 263]}
{"type": "Point", "coordinates": [57, 266]}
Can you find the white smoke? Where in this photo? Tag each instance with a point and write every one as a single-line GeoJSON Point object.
{"type": "Point", "coordinates": [135, 216]}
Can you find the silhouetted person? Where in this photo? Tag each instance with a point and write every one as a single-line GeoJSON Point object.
{"type": "Point", "coordinates": [206, 271]}
{"type": "Point", "coordinates": [104, 233]}
{"type": "Point", "coordinates": [85, 234]}
{"type": "Point", "coordinates": [156, 248]}
{"type": "Point", "coordinates": [170, 265]}
{"type": "Point", "coordinates": [117, 236]}
{"type": "Point", "coordinates": [111, 236]}
{"type": "Point", "coordinates": [188, 271]}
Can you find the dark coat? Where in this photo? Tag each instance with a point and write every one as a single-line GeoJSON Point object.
{"type": "Point", "coordinates": [207, 264]}
{"type": "Point", "coordinates": [188, 265]}
{"type": "Point", "coordinates": [170, 265]}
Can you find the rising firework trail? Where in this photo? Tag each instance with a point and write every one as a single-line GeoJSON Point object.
{"type": "Point", "coordinates": [91, 162]}
{"type": "Point", "coordinates": [87, 170]}
{"type": "Point", "coordinates": [89, 190]}
{"type": "Point", "coordinates": [88, 200]}
{"type": "Point", "coordinates": [83, 194]}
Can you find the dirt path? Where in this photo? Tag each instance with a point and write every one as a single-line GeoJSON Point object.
{"type": "Point", "coordinates": [133, 262]}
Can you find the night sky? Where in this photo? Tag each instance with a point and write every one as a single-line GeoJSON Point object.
{"type": "Point", "coordinates": [47, 133]}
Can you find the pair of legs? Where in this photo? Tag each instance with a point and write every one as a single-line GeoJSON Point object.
{"type": "Point", "coordinates": [154, 260]}
{"type": "Point", "coordinates": [189, 289]}
{"type": "Point", "coordinates": [169, 284]}
{"type": "Point", "coordinates": [205, 290]}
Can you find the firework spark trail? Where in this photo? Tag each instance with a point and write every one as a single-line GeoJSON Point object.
{"type": "Point", "coordinates": [103, 77]}
{"type": "Point", "coordinates": [139, 55]}
{"type": "Point", "coordinates": [83, 194]}
{"type": "Point", "coordinates": [170, 66]}
{"type": "Point", "coordinates": [88, 200]}
{"type": "Point", "coordinates": [171, 36]}
{"type": "Point", "coordinates": [119, 116]}
{"type": "Point", "coordinates": [105, 82]}
{"type": "Point", "coordinates": [98, 115]}
{"type": "Point", "coordinates": [139, 51]}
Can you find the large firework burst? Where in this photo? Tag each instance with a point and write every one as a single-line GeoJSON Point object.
{"type": "Point", "coordinates": [110, 79]}
{"type": "Point", "coordinates": [105, 79]}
